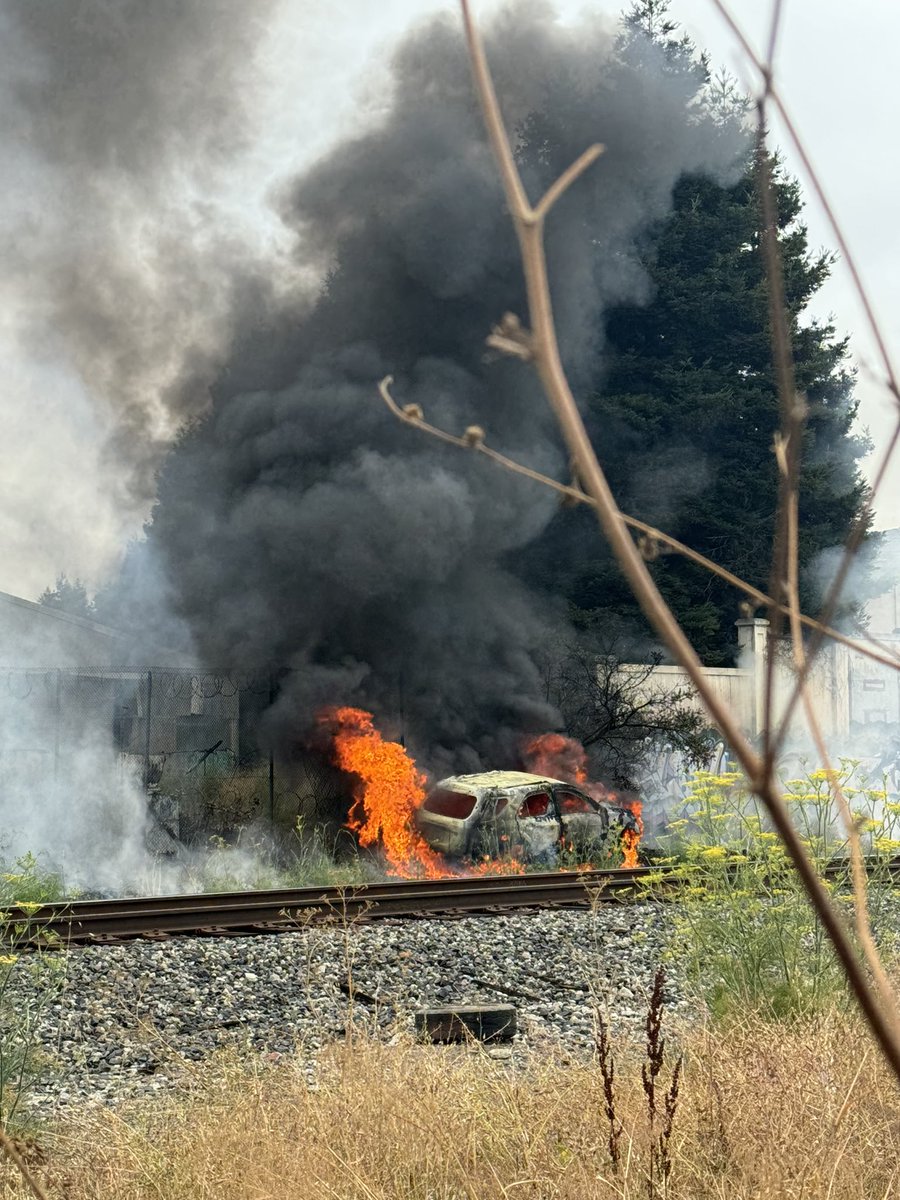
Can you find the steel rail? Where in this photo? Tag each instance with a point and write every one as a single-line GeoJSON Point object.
{"type": "Point", "coordinates": [278, 910]}
{"type": "Point", "coordinates": [84, 922]}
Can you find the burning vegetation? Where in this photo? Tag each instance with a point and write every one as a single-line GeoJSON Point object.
{"type": "Point", "coordinates": [389, 790]}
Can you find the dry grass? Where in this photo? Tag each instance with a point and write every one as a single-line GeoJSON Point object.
{"type": "Point", "coordinates": [764, 1112]}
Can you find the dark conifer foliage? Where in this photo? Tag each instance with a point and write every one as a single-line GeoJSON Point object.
{"type": "Point", "coordinates": [683, 405]}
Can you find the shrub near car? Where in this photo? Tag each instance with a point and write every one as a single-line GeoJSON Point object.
{"type": "Point", "coordinates": [500, 813]}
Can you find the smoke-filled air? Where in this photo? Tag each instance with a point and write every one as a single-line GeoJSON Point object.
{"type": "Point", "coordinates": [298, 523]}
{"type": "Point", "coordinates": [297, 527]}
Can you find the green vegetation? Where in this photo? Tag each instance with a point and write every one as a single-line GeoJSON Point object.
{"type": "Point", "coordinates": [745, 931]}
{"type": "Point", "coordinates": [25, 881]}
{"type": "Point", "coordinates": [307, 861]}
{"type": "Point", "coordinates": [26, 886]}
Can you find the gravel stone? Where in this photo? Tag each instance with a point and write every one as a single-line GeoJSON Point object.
{"type": "Point", "coordinates": [133, 1015]}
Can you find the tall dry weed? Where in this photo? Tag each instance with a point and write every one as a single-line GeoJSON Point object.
{"type": "Point", "coordinates": [766, 1112]}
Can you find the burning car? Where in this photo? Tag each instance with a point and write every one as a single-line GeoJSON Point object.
{"type": "Point", "coordinates": [499, 813]}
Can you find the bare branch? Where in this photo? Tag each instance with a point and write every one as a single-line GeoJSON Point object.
{"type": "Point", "coordinates": [9, 1149]}
{"type": "Point", "coordinates": [793, 415]}
{"type": "Point", "coordinates": [568, 177]}
{"type": "Point", "coordinates": [860, 525]}
{"type": "Point", "coordinates": [777, 8]}
{"type": "Point", "coordinates": [412, 415]}
{"type": "Point", "coordinates": [816, 184]}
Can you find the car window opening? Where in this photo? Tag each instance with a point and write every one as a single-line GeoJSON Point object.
{"type": "Point", "coordinates": [535, 805]}
{"type": "Point", "coordinates": [444, 802]}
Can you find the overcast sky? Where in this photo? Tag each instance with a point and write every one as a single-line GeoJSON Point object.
{"type": "Point", "coordinates": [322, 68]}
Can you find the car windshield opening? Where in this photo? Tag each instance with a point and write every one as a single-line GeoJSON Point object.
{"type": "Point", "coordinates": [574, 802]}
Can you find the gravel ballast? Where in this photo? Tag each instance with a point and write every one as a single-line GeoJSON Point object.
{"type": "Point", "coordinates": [132, 1017]}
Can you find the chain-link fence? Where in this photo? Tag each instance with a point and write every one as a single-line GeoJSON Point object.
{"type": "Point", "coordinates": [196, 744]}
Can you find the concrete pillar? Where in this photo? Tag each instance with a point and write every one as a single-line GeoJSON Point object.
{"type": "Point", "coordinates": [840, 687]}
{"type": "Point", "coordinates": [752, 635]}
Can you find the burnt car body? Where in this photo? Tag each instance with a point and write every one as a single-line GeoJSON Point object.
{"type": "Point", "coordinates": [512, 813]}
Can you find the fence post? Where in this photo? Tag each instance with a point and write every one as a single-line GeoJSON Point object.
{"type": "Point", "coordinates": [147, 730]}
{"type": "Point", "coordinates": [271, 762]}
{"type": "Point", "coordinates": [57, 718]}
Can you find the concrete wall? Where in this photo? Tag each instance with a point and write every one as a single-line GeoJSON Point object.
{"type": "Point", "coordinates": [733, 685]}
{"type": "Point", "coordinates": [849, 691]}
{"type": "Point", "coordinates": [35, 635]}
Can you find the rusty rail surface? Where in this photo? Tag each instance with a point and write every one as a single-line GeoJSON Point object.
{"type": "Point", "coordinates": [87, 922]}
{"type": "Point", "coordinates": [280, 910]}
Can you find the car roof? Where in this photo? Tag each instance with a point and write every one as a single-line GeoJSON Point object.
{"type": "Point", "coordinates": [499, 779]}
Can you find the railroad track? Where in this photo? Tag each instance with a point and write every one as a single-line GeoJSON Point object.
{"type": "Point", "coordinates": [93, 922]}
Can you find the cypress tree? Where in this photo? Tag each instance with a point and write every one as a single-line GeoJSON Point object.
{"type": "Point", "coordinates": [684, 406]}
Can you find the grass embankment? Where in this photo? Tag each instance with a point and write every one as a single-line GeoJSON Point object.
{"type": "Point", "coordinates": [763, 1111]}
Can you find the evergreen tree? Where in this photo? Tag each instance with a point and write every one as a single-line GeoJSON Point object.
{"type": "Point", "coordinates": [685, 406]}
{"type": "Point", "coordinates": [69, 596]}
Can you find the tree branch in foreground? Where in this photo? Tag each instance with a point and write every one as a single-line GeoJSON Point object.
{"type": "Point", "coordinates": [651, 536]}
{"type": "Point", "coordinates": [890, 381]}
{"type": "Point", "coordinates": [544, 354]}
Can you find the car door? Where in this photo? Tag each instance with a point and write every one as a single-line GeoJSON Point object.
{"type": "Point", "coordinates": [585, 822]}
{"type": "Point", "coordinates": [537, 824]}
{"type": "Point", "coordinates": [487, 838]}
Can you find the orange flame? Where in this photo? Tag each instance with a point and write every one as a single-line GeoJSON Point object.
{"type": "Point", "coordinates": [631, 837]}
{"type": "Point", "coordinates": [388, 790]}
{"type": "Point", "coordinates": [387, 794]}
{"type": "Point", "coordinates": [557, 756]}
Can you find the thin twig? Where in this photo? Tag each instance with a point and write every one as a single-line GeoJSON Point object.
{"type": "Point", "coordinates": [817, 186]}
{"type": "Point", "coordinates": [568, 177]}
{"type": "Point", "coordinates": [412, 415]}
{"type": "Point", "coordinates": [547, 362]}
{"type": "Point", "coordinates": [774, 29]}
{"type": "Point", "coordinates": [793, 414]}
{"type": "Point", "coordinates": [858, 876]}
{"type": "Point", "coordinates": [9, 1149]}
{"type": "Point", "coordinates": [786, 549]}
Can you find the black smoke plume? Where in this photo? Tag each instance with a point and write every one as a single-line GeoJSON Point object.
{"type": "Point", "coordinates": [121, 123]}
{"type": "Point", "coordinates": [299, 524]}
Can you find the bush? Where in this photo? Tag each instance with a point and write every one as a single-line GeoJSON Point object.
{"type": "Point", "coordinates": [745, 931]}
